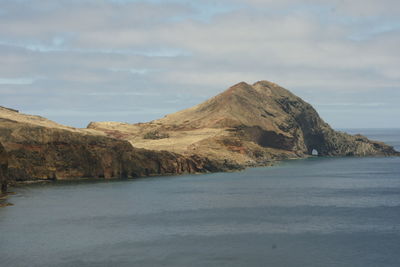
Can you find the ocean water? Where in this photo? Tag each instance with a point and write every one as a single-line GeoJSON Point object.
{"type": "Point", "coordinates": [314, 212]}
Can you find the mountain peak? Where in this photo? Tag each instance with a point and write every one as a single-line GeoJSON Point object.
{"type": "Point", "coordinates": [240, 104]}
{"type": "Point", "coordinates": [239, 87]}
{"type": "Point", "coordinates": [261, 90]}
{"type": "Point", "coordinates": [265, 83]}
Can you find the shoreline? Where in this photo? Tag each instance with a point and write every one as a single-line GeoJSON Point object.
{"type": "Point", "coordinates": [88, 180]}
{"type": "Point", "coordinates": [243, 168]}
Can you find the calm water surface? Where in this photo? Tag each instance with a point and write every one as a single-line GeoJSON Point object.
{"type": "Point", "coordinates": [314, 212]}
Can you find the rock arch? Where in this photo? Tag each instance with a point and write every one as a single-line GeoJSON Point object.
{"type": "Point", "coordinates": [314, 152]}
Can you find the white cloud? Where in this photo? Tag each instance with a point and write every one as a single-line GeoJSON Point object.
{"type": "Point", "coordinates": [16, 81]}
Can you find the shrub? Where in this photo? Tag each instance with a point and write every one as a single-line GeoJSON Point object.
{"type": "Point", "coordinates": [154, 135]}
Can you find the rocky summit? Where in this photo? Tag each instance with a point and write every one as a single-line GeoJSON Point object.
{"type": "Point", "coordinates": [247, 125]}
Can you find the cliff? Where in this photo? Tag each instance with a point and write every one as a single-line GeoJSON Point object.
{"type": "Point", "coordinates": [3, 170]}
{"type": "Point", "coordinates": [39, 149]}
{"type": "Point", "coordinates": [249, 125]}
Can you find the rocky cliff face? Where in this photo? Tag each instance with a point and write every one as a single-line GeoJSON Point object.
{"type": "Point", "coordinates": [3, 170]}
{"type": "Point", "coordinates": [251, 125]}
{"type": "Point", "coordinates": [41, 149]}
{"type": "Point", "coordinates": [271, 116]}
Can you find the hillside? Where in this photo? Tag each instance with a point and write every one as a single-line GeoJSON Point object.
{"type": "Point", "coordinates": [39, 149]}
{"type": "Point", "coordinates": [248, 124]}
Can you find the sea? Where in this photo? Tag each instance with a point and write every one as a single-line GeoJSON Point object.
{"type": "Point", "coordinates": [314, 212]}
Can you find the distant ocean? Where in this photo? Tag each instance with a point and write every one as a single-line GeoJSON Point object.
{"type": "Point", "coordinates": [313, 212]}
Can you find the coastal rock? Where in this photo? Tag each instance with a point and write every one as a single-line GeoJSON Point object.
{"type": "Point", "coordinates": [3, 170]}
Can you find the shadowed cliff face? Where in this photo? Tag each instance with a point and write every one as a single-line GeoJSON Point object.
{"type": "Point", "coordinates": [3, 170]}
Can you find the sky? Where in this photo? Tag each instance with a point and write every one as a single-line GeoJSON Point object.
{"type": "Point", "coordinates": [77, 61]}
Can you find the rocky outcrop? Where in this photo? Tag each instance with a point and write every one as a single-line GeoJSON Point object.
{"type": "Point", "coordinates": [3, 170]}
{"type": "Point", "coordinates": [40, 151]}
{"type": "Point", "coordinates": [287, 122]}
{"type": "Point", "coordinates": [251, 125]}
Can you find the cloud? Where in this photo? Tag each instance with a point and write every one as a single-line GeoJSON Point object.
{"type": "Point", "coordinates": [353, 104]}
{"type": "Point", "coordinates": [16, 81]}
{"type": "Point", "coordinates": [126, 52]}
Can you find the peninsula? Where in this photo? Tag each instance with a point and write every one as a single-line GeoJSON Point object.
{"type": "Point", "coordinates": [246, 125]}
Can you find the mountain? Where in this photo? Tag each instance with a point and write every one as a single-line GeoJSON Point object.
{"type": "Point", "coordinates": [247, 125]}
{"type": "Point", "coordinates": [40, 149]}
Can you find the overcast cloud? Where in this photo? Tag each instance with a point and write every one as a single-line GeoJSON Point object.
{"type": "Point", "coordinates": [93, 60]}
